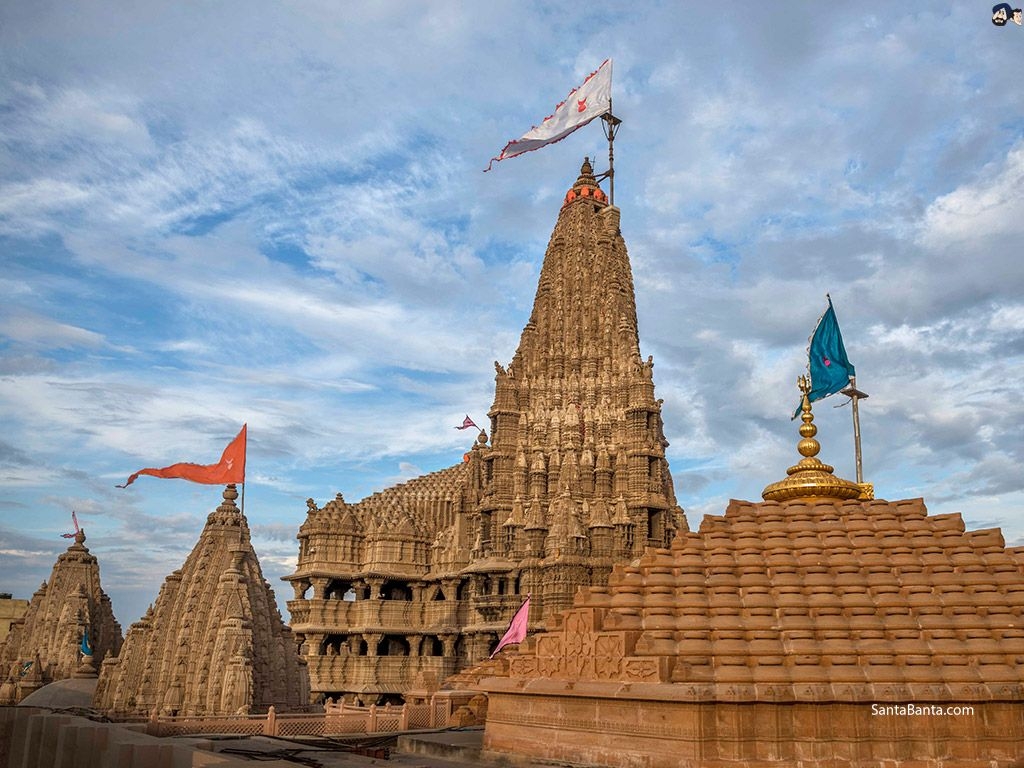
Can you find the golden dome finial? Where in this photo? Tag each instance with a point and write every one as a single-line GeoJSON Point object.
{"type": "Point", "coordinates": [809, 477]}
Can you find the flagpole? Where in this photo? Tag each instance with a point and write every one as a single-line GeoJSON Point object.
{"type": "Point", "coordinates": [611, 127]}
{"type": "Point", "coordinates": [856, 396]}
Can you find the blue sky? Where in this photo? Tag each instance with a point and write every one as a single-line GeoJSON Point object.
{"type": "Point", "coordinates": [274, 213]}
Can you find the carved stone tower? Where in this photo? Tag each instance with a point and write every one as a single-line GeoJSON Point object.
{"type": "Point", "coordinates": [576, 477]}
{"type": "Point", "coordinates": [416, 582]}
{"type": "Point", "coordinates": [214, 642]}
{"type": "Point", "coordinates": [44, 645]}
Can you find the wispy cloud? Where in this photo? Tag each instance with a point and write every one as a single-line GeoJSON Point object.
{"type": "Point", "coordinates": [287, 225]}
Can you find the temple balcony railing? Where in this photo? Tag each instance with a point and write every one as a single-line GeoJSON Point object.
{"type": "Point", "coordinates": [378, 674]}
{"type": "Point", "coordinates": [406, 615]}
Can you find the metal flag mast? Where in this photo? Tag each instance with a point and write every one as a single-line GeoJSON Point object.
{"type": "Point", "coordinates": [855, 396]}
{"type": "Point", "coordinates": [611, 127]}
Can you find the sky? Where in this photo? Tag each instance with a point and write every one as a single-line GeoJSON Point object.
{"type": "Point", "coordinates": [274, 213]}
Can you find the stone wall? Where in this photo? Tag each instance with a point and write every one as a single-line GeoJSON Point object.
{"type": "Point", "coordinates": [612, 725]}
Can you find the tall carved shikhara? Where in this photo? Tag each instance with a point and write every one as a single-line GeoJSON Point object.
{"type": "Point", "coordinates": [414, 583]}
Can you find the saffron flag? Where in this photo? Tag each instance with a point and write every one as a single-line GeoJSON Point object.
{"type": "Point", "coordinates": [516, 631]}
{"type": "Point", "coordinates": [466, 423]}
{"type": "Point", "coordinates": [230, 468]}
{"type": "Point", "coordinates": [829, 367]}
{"type": "Point", "coordinates": [74, 519]}
{"type": "Point", "coordinates": [583, 104]}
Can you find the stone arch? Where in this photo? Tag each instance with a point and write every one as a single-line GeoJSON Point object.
{"type": "Point", "coordinates": [393, 645]}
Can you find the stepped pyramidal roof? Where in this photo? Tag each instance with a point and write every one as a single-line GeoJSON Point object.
{"type": "Point", "coordinates": [777, 634]}
{"type": "Point", "coordinates": [45, 644]}
{"type": "Point", "coordinates": [213, 643]}
{"type": "Point", "coordinates": [569, 477]}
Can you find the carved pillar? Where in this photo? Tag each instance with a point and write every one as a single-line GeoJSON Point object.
{"type": "Point", "coordinates": [449, 644]}
{"type": "Point", "coordinates": [375, 583]}
{"type": "Point", "coordinates": [372, 641]}
{"type": "Point", "coordinates": [450, 588]}
{"type": "Point", "coordinates": [414, 644]}
{"type": "Point", "coordinates": [300, 586]}
{"type": "Point", "coordinates": [319, 587]}
{"type": "Point", "coordinates": [314, 643]}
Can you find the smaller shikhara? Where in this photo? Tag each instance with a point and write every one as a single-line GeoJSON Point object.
{"type": "Point", "coordinates": [45, 644]}
{"type": "Point", "coordinates": [214, 642]}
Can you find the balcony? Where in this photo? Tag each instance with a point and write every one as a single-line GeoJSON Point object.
{"type": "Point", "coordinates": [379, 674]}
{"type": "Point", "coordinates": [359, 615]}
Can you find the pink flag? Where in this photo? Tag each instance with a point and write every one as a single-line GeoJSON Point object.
{"type": "Point", "coordinates": [74, 519]}
{"type": "Point", "coordinates": [516, 631]}
{"type": "Point", "coordinates": [467, 423]}
{"type": "Point", "coordinates": [583, 104]}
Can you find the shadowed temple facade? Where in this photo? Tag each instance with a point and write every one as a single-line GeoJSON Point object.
{"type": "Point", "coordinates": [414, 583]}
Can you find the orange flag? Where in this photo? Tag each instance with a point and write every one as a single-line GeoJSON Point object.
{"type": "Point", "coordinates": [230, 468]}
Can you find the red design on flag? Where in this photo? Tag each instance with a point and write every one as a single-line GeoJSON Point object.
{"type": "Point", "coordinates": [230, 468]}
{"type": "Point", "coordinates": [593, 98]}
{"type": "Point", "coordinates": [516, 631]}
{"type": "Point", "coordinates": [466, 423]}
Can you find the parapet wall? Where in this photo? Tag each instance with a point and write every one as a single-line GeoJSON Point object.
{"type": "Point", "coordinates": [581, 726]}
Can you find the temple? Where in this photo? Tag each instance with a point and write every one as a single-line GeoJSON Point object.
{"type": "Point", "coordinates": [813, 628]}
{"type": "Point", "coordinates": [214, 642]}
{"type": "Point", "coordinates": [416, 582]}
{"type": "Point", "coordinates": [45, 645]}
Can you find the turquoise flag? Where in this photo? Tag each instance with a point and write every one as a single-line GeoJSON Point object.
{"type": "Point", "coordinates": [86, 648]}
{"type": "Point", "coordinates": [829, 366]}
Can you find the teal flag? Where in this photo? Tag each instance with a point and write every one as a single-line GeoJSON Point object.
{"type": "Point", "coordinates": [86, 648]}
{"type": "Point", "coordinates": [829, 366]}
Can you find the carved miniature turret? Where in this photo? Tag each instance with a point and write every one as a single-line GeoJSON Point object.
{"type": "Point", "coordinates": [214, 642]}
{"type": "Point", "coordinates": [45, 644]}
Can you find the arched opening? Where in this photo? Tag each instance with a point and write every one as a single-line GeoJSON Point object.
{"type": "Point", "coordinates": [432, 646]}
{"type": "Point", "coordinates": [396, 590]}
{"type": "Point", "coordinates": [393, 645]}
{"type": "Point", "coordinates": [460, 593]}
{"type": "Point", "coordinates": [335, 645]}
{"type": "Point", "coordinates": [339, 589]}
{"type": "Point", "coordinates": [655, 526]}
{"type": "Point", "coordinates": [438, 593]}
{"type": "Point", "coordinates": [363, 648]}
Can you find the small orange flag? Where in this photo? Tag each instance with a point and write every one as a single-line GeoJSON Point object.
{"type": "Point", "coordinates": [230, 468]}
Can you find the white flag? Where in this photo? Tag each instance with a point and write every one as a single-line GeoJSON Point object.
{"type": "Point", "coordinates": [583, 104]}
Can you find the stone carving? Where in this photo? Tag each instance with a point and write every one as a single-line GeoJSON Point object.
{"type": "Point", "coordinates": [45, 644]}
{"type": "Point", "coordinates": [572, 479]}
{"type": "Point", "coordinates": [214, 642]}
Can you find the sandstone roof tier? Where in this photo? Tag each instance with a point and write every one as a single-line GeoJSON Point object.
{"type": "Point", "coordinates": [816, 600]}
{"type": "Point", "coordinates": [572, 479]}
{"type": "Point", "coordinates": [214, 642]}
{"type": "Point", "coordinates": [777, 634]}
{"type": "Point", "coordinates": [49, 635]}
